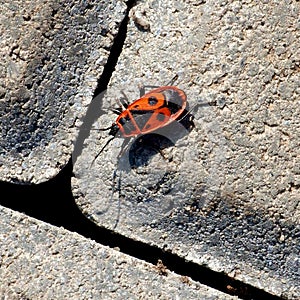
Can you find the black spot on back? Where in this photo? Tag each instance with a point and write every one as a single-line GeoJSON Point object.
{"type": "Point", "coordinates": [152, 100]}
{"type": "Point", "coordinates": [160, 117]}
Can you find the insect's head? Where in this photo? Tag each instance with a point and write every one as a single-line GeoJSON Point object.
{"type": "Point", "coordinates": [114, 129]}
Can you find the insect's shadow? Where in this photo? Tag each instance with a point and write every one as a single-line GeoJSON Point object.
{"type": "Point", "coordinates": [144, 147]}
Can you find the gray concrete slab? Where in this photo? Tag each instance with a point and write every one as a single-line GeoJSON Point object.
{"type": "Point", "coordinates": [226, 194]}
{"type": "Point", "coordinates": [40, 261]}
{"type": "Point", "coordinates": [52, 56]}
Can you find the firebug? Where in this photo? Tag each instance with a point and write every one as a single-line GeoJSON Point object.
{"type": "Point", "coordinates": [153, 110]}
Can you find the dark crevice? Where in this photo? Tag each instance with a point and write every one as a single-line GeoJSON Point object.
{"type": "Point", "coordinates": [53, 202]}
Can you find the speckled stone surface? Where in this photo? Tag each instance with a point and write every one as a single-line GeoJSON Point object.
{"type": "Point", "coordinates": [53, 53]}
{"type": "Point", "coordinates": [39, 261]}
{"type": "Point", "coordinates": [225, 194]}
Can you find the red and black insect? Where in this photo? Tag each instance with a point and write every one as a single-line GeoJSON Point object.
{"type": "Point", "coordinates": [160, 107]}
{"type": "Point", "coordinates": [154, 110]}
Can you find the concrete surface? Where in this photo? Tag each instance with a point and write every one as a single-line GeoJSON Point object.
{"type": "Point", "coordinates": [226, 195]}
{"type": "Point", "coordinates": [53, 53]}
{"type": "Point", "coordinates": [39, 261]}
{"type": "Point", "coordinates": [223, 195]}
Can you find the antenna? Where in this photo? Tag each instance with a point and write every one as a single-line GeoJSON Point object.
{"type": "Point", "coordinates": [101, 150]}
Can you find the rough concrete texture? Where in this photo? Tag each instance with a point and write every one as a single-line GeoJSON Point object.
{"type": "Point", "coordinates": [52, 55]}
{"type": "Point", "coordinates": [39, 261]}
{"type": "Point", "coordinates": [225, 194]}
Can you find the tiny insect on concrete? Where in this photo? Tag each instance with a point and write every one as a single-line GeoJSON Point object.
{"type": "Point", "coordinates": [153, 110]}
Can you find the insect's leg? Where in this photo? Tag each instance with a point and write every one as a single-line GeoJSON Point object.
{"type": "Point", "coordinates": [120, 104]}
{"type": "Point", "coordinates": [211, 103]}
{"type": "Point", "coordinates": [160, 151]}
{"type": "Point", "coordinates": [116, 111]}
{"type": "Point", "coordinates": [119, 197]}
{"type": "Point", "coordinates": [172, 81]}
{"type": "Point", "coordinates": [142, 89]}
{"type": "Point", "coordinates": [195, 106]}
{"type": "Point", "coordinates": [124, 100]}
{"type": "Point", "coordinates": [124, 147]}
